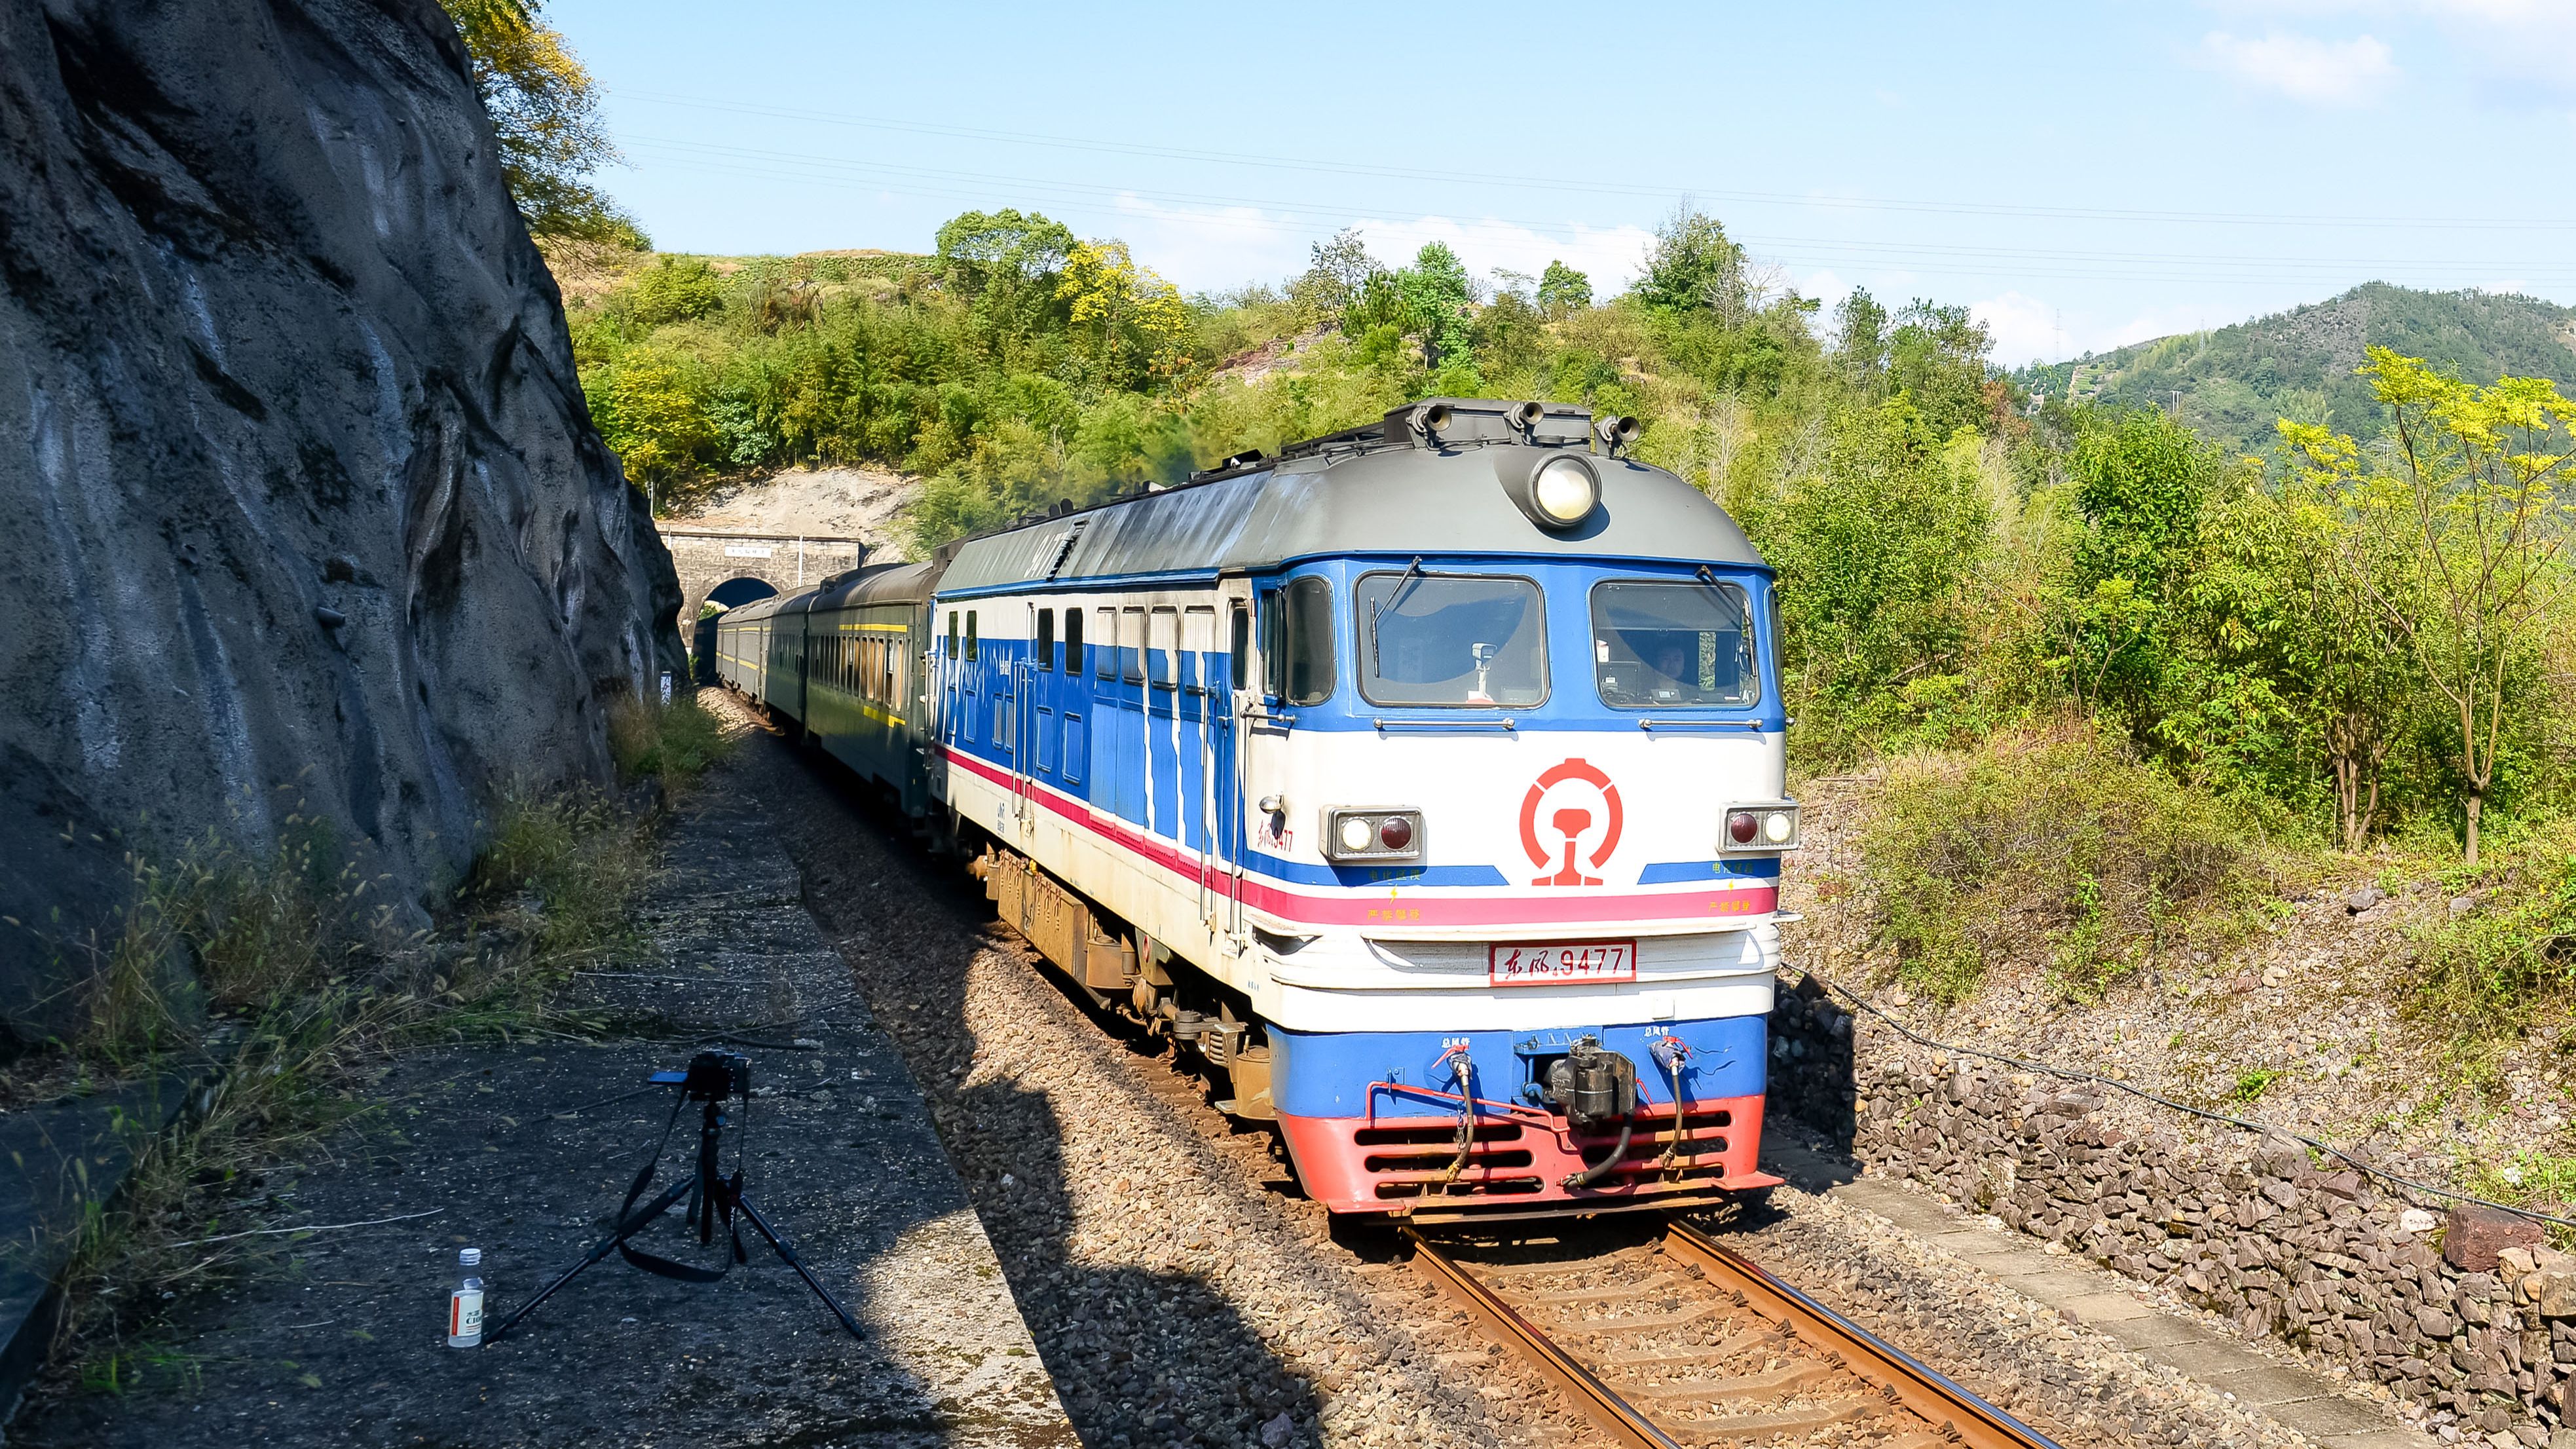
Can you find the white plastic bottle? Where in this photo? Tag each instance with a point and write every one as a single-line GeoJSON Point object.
{"type": "Point", "coordinates": [465, 1305]}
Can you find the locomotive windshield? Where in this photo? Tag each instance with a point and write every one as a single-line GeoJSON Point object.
{"type": "Point", "coordinates": [1664, 644]}
{"type": "Point", "coordinates": [1441, 639]}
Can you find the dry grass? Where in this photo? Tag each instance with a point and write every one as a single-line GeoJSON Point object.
{"type": "Point", "coordinates": [277, 981]}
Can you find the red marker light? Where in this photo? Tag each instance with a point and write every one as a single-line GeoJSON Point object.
{"type": "Point", "coordinates": [1395, 832]}
{"type": "Point", "coordinates": [1741, 827]}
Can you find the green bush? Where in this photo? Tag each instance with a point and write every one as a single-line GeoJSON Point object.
{"type": "Point", "coordinates": [2486, 971]}
{"type": "Point", "coordinates": [2060, 846]}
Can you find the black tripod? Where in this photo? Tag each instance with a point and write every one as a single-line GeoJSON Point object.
{"type": "Point", "coordinates": [711, 1079]}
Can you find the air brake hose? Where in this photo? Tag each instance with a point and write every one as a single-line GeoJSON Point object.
{"type": "Point", "coordinates": [1466, 1114]}
{"type": "Point", "coordinates": [1594, 1172]}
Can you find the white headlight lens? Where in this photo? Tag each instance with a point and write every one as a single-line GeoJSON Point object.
{"type": "Point", "coordinates": [1565, 491]}
{"type": "Point", "coordinates": [1358, 832]}
{"type": "Point", "coordinates": [1778, 826]}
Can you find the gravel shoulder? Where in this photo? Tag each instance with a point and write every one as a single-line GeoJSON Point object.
{"type": "Point", "coordinates": [524, 1149]}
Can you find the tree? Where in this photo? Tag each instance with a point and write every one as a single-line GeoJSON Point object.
{"type": "Point", "coordinates": [2459, 538]}
{"type": "Point", "coordinates": [1007, 265]}
{"type": "Point", "coordinates": [545, 118]}
{"type": "Point", "coordinates": [1140, 318]}
{"type": "Point", "coordinates": [1693, 267]}
{"type": "Point", "coordinates": [1334, 275]}
{"type": "Point", "coordinates": [2139, 485]}
{"type": "Point", "coordinates": [1860, 339]}
{"type": "Point", "coordinates": [1562, 289]}
{"type": "Point", "coordinates": [1437, 293]}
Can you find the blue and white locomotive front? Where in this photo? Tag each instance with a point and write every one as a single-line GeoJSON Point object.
{"type": "Point", "coordinates": [1453, 752]}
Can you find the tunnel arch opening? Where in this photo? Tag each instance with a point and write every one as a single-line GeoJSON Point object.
{"type": "Point", "coordinates": [740, 590]}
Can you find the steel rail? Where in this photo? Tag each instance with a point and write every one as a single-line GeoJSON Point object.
{"type": "Point", "coordinates": [1597, 1399]}
{"type": "Point", "coordinates": [1929, 1394]}
{"type": "Point", "coordinates": [1948, 1410]}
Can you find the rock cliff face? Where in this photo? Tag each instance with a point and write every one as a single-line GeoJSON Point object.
{"type": "Point", "coordinates": [303, 507]}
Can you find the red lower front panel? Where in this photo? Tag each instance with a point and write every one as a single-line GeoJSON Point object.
{"type": "Point", "coordinates": [1401, 1164]}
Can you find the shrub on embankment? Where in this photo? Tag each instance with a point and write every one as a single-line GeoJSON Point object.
{"type": "Point", "coordinates": [2057, 845]}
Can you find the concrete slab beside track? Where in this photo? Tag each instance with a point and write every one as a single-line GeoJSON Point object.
{"type": "Point", "coordinates": [525, 1149]}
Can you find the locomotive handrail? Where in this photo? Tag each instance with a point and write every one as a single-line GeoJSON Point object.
{"type": "Point", "coordinates": [1506, 724]}
{"type": "Point", "coordinates": [1651, 725]}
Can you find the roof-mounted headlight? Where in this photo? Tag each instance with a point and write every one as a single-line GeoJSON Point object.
{"type": "Point", "coordinates": [1558, 490]}
{"type": "Point", "coordinates": [1565, 491]}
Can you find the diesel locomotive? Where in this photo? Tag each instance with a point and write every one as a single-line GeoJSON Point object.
{"type": "Point", "coordinates": [1424, 783]}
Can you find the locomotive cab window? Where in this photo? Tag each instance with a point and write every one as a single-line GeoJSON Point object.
{"type": "Point", "coordinates": [970, 636]}
{"type": "Point", "coordinates": [1306, 633]}
{"type": "Point", "coordinates": [1073, 641]}
{"type": "Point", "coordinates": [1658, 644]}
{"type": "Point", "coordinates": [1046, 640]}
{"type": "Point", "coordinates": [1447, 639]}
{"type": "Point", "coordinates": [1239, 647]}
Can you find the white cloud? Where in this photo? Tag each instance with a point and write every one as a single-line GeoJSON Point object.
{"type": "Point", "coordinates": [2025, 329]}
{"type": "Point", "coordinates": [2303, 67]}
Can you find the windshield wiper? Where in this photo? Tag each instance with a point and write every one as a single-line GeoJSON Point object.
{"type": "Point", "coordinates": [1394, 597]}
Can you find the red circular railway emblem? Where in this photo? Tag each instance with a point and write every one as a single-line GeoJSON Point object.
{"type": "Point", "coordinates": [1590, 801]}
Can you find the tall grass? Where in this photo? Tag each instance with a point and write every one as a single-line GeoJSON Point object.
{"type": "Point", "coordinates": [670, 744]}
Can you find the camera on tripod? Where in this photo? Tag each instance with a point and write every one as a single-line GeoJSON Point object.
{"type": "Point", "coordinates": [710, 1076]}
{"type": "Point", "coordinates": [715, 1197]}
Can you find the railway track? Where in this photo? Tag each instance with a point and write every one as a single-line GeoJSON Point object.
{"type": "Point", "coordinates": [1676, 1343]}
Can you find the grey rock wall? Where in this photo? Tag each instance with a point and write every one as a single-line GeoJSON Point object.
{"type": "Point", "coordinates": [2466, 1312]}
{"type": "Point", "coordinates": [299, 504]}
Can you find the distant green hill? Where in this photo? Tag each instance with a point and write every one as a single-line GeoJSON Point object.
{"type": "Point", "coordinates": [2235, 382]}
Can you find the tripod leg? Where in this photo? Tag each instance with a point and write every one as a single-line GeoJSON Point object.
{"type": "Point", "coordinates": [788, 1255]}
{"type": "Point", "coordinates": [633, 1224]}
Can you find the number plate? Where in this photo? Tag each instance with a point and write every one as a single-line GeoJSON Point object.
{"type": "Point", "coordinates": [1549, 963]}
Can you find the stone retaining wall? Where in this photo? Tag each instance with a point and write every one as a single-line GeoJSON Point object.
{"type": "Point", "coordinates": [2466, 1313]}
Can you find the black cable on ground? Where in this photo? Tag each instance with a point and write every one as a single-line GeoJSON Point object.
{"type": "Point", "coordinates": [2264, 1128]}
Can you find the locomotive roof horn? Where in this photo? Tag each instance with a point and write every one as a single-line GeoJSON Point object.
{"type": "Point", "coordinates": [1522, 417]}
{"type": "Point", "coordinates": [1616, 432]}
{"type": "Point", "coordinates": [1428, 419]}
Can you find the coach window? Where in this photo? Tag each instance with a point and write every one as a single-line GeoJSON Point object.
{"type": "Point", "coordinates": [1447, 639]}
{"type": "Point", "coordinates": [970, 636]}
{"type": "Point", "coordinates": [1657, 644]}
{"type": "Point", "coordinates": [1131, 643]}
{"type": "Point", "coordinates": [1160, 646]}
{"type": "Point", "coordinates": [1240, 645]}
{"type": "Point", "coordinates": [1046, 640]}
{"type": "Point", "coordinates": [1073, 641]}
{"type": "Point", "coordinates": [1307, 672]}
{"type": "Point", "coordinates": [1107, 639]}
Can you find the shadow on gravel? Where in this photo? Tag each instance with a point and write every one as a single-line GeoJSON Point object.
{"type": "Point", "coordinates": [1140, 1357]}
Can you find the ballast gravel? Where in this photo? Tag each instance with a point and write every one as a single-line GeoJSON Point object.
{"type": "Point", "coordinates": [1177, 1288]}
{"type": "Point", "coordinates": [1182, 1292]}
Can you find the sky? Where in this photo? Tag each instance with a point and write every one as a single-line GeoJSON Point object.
{"type": "Point", "coordinates": [2083, 174]}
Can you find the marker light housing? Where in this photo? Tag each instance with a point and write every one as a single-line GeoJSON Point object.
{"type": "Point", "coordinates": [1763, 825]}
{"type": "Point", "coordinates": [1355, 836]}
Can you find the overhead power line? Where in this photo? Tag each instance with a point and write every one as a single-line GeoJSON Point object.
{"type": "Point", "coordinates": [1251, 213]}
{"type": "Point", "coordinates": [1600, 186]}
